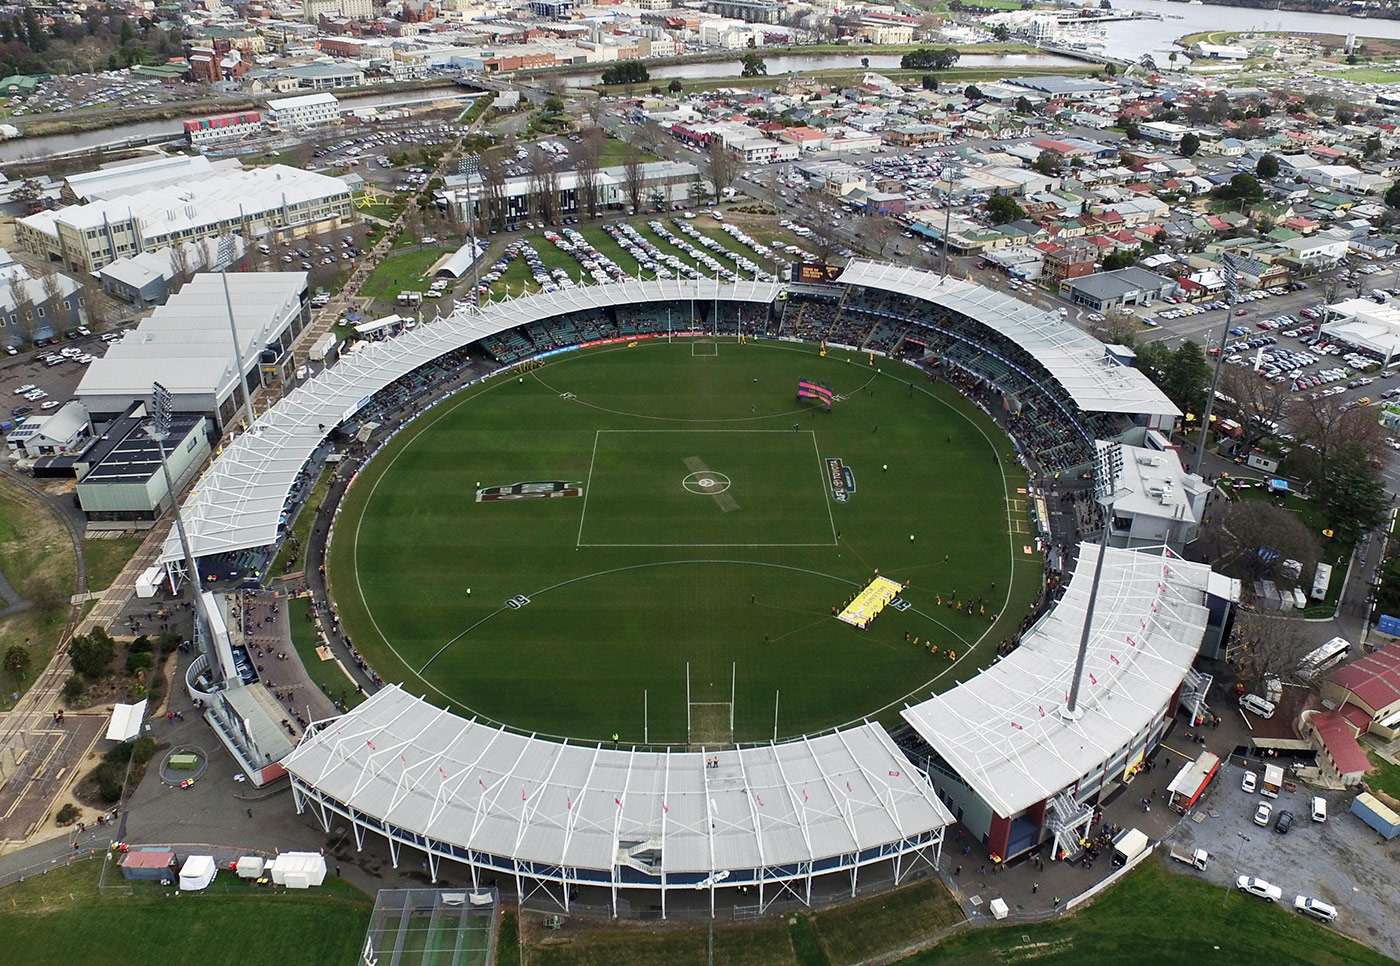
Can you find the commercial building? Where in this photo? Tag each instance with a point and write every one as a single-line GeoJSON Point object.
{"type": "Point", "coordinates": [349, 9]}
{"type": "Point", "coordinates": [186, 346]}
{"type": "Point", "coordinates": [120, 480]}
{"type": "Point", "coordinates": [36, 308]}
{"type": "Point", "coordinates": [1109, 290]}
{"type": "Point", "coordinates": [1366, 325]}
{"type": "Point", "coordinates": [148, 278]}
{"type": "Point", "coordinates": [749, 11]}
{"type": "Point", "coordinates": [1159, 502]}
{"type": "Point", "coordinates": [275, 200]}
{"type": "Point", "coordinates": [303, 112]}
{"type": "Point", "coordinates": [673, 182]}
{"type": "Point", "coordinates": [223, 127]}
{"type": "Point", "coordinates": [63, 433]}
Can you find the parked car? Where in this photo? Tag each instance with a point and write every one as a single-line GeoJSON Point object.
{"type": "Point", "coordinates": [1250, 782]}
{"type": "Point", "coordinates": [1262, 814]}
{"type": "Point", "coordinates": [1284, 823]}
{"type": "Point", "coordinates": [1258, 887]}
{"type": "Point", "coordinates": [1319, 809]}
{"type": "Point", "coordinates": [1315, 908]}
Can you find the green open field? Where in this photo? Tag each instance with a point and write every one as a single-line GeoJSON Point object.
{"type": "Point", "coordinates": [1365, 75]}
{"type": "Point", "coordinates": [63, 919]}
{"type": "Point", "coordinates": [401, 272]}
{"type": "Point", "coordinates": [692, 525]}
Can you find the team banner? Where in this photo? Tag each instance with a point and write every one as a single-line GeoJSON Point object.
{"type": "Point", "coordinates": [807, 389]}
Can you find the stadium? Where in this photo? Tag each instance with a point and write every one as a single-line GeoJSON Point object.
{"type": "Point", "coordinates": [770, 818]}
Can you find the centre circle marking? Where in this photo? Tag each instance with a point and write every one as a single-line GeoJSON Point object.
{"type": "Point", "coordinates": [706, 483]}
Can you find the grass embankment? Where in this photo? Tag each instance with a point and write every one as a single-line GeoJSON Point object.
{"type": "Point", "coordinates": [106, 558]}
{"type": "Point", "coordinates": [326, 675]}
{"type": "Point", "coordinates": [62, 919]}
{"type": "Point", "coordinates": [402, 271]}
{"type": "Point", "coordinates": [36, 557]}
{"type": "Point", "coordinates": [301, 526]}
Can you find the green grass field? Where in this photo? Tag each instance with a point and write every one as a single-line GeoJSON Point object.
{"type": "Point", "coordinates": [1365, 75]}
{"type": "Point", "coordinates": [704, 534]}
{"type": "Point", "coordinates": [401, 272]}
{"type": "Point", "coordinates": [62, 919]}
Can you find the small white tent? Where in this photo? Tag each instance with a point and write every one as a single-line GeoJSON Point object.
{"type": "Point", "coordinates": [298, 870]}
{"type": "Point", "coordinates": [998, 908]}
{"type": "Point", "coordinates": [125, 722]}
{"type": "Point", "coordinates": [250, 867]}
{"type": "Point", "coordinates": [198, 872]}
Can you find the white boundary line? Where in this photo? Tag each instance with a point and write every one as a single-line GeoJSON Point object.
{"type": "Point", "coordinates": [826, 488]}
{"type": "Point", "coordinates": [587, 489]}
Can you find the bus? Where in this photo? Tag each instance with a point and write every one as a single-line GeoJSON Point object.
{"type": "Point", "coordinates": [1329, 655]}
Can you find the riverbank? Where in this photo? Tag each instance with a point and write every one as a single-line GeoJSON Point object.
{"type": "Point", "coordinates": [953, 79]}
{"type": "Point", "coordinates": [1372, 48]}
{"type": "Point", "coordinates": [1306, 6]}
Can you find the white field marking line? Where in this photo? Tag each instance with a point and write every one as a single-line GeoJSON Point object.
{"type": "Point", "coordinates": [782, 432]}
{"type": "Point", "coordinates": [703, 355]}
{"type": "Point", "coordinates": [587, 489]}
{"type": "Point", "coordinates": [620, 570]}
{"type": "Point", "coordinates": [682, 546]}
{"type": "Point", "coordinates": [442, 412]}
{"type": "Point", "coordinates": [826, 488]}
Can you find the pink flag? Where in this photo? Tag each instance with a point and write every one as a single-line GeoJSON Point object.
{"type": "Point", "coordinates": [1093, 679]}
{"type": "Point", "coordinates": [482, 784]}
{"type": "Point", "coordinates": [894, 774]}
{"type": "Point", "coordinates": [848, 786]}
{"type": "Point", "coordinates": [1041, 708]}
{"type": "Point", "coordinates": [618, 802]}
{"type": "Point", "coordinates": [759, 800]}
{"type": "Point", "coordinates": [402, 759]}
{"type": "Point", "coordinates": [1017, 727]}
{"type": "Point", "coordinates": [804, 794]}
{"type": "Point", "coordinates": [1113, 658]}
{"type": "Point", "coordinates": [370, 743]}
{"type": "Point", "coordinates": [442, 773]}
{"type": "Point", "coordinates": [569, 803]}
{"type": "Point", "coordinates": [522, 794]}
{"type": "Point", "coordinates": [665, 809]}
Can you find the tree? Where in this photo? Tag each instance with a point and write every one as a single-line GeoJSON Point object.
{"type": "Point", "coordinates": [491, 201]}
{"type": "Point", "coordinates": [1372, 149]}
{"type": "Point", "coordinates": [722, 165]}
{"type": "Point", "coordinates": [1120, 258]}
{"type": "Point", "coordinates": [1183, 374]}
{"type": "Point", "coordinates": [1350, 493]}
{"type": "Point", "coordinates": [972, 92]}
{"type": "Point", "coordinates": [1111, 69]}
{"type": "Point", "coordinates": [1268, 645]}
{"type": "Point", "coordinates": [1172, 57]}
{"type": "Point", "coordinates": [23, 317]}
{"type": "Point", "coordinates": [543, 183]}
{"type": "Point", "coordinates": [1130, 128]}
{"type": "Point", "coordinates": [1259, 403]}
{"type": "Point", "coordinates": [675, 87]}
{"type": "Point", "coordinates": [1326, 427]}
{"type": "Point", "coordinates": [17, 661]}
{"type": "Point", "coordinates": [633, 176]}
{"type": "Point", "coordinates": [927, 58]}
{"type": "Point", "coordinates": [587, 153]}
{"type": "Point", "coordinates": [753, 65]}
{"type": "Point", "coordinates": [1048, 162]}
{"type": "Point", "coordinates": [1242, 187]}
{"type": "Point", "coordinates": [625, 72]}
{"type": "Point", "coordinates": [91, 654]}
{"type": "Point", "coordinates": [929, 82]}
{"type": "Point", "coordinates": [1004, 208]}
{"type": "Point", "coordinates": [1190, 144]}
{"type": "Point", "coordinates": [1001, 33]}
{"type": "Point", "coordinates": [865, 63]}
{"type": "Point", "coordinates": [1266, 168]}
{"type": "Point", "coordinates": [1024, 105]}
{"type": "Point", "coordinates": [1392, 195]}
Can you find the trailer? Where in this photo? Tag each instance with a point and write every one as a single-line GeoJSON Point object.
{"type": "Point", "coordinates": [1376, 814]}
{"type": "Point", "coordinates": [325, 346]}
{"type": "Point", "coordinates": [1192, 781]}
{"type": "Point", "coordinates": [1199, 858]}
{"type": "Point", "coordinates": [1129, 844]}
{"type": "Point", "coordinates": [1273, 781]}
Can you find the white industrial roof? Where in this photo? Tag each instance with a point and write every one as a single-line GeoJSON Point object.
{"type": "Point", "coordinates": [303, 100]}
{"type": "Point", "coordinates": [139, 175]}
{"type": "Point", "coordinates": [1073, 357]}
{"type": "Point", "coordinates": [238, 502]}
{"type": "Point", "coordinates": [1366, 325]}
{"type": "Point", "coordinates": [186, 345]}
{"type": "Point", "coordinates": [1002, 731]}
{"type": "Point", "coordinates": [464, 783]}
{"type": "Point", "coordinates": [223, 197]}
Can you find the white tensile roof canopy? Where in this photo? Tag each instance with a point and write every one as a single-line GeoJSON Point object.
{"type": "Point", "coordinates": [1003, 732]}
{"type": "Point", "coordinates": [458, 781]}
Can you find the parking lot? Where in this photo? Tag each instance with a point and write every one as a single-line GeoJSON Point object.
{"type": "Point", "coordinates": [1341, 861]}
{"type": "Point", "coordinates": [31, 386]}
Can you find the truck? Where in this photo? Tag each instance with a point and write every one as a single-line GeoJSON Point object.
{"type": "Point", "coordinates": [1199, 858]}
{"type": "Point", "coordinates": [1129, 844]}
{"type": "Point", "coordinates": [1273, 781]}
{"type": "Point", "coordinates": [1191, 781]}
{"type": "Point", "coordinates": [324, 346]}
{"type": "Point", "coordinates": [1376, 814]}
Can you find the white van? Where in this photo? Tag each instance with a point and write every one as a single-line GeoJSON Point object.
{"type": "Point", "coordinates": [1257, 705]}
{"type": "Point", "coordinates": [1319, 809]}
{"type": "Point", "coordinates": [1315, 908]}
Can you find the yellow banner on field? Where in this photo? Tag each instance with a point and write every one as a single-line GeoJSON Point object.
{"type": "Point", "coordinates": [870, 601]}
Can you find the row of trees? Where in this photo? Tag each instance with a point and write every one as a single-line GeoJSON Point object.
{"type": "Point", "coordinates": [930, 58]}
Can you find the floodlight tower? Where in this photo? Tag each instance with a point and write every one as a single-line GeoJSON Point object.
{"type": "Point", "coordinates": [953, 171]}
{"type": "Point", "coordinates": [159, 430]}
{"type": "Point", "coordinates": [1108, 464]}
{"type": "Point", "coordinates": [226, 256]}
{"type": "Point", "coordinates": [1232, 296]}
{"type": "Point", "coordinates": [469, 167]}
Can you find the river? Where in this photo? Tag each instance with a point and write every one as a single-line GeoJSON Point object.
{"type": "Point", "coordinates": [1130, 39]}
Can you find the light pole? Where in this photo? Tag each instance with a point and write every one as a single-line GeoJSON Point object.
{"type": "Point", "coordinates": [952, 170]}
{"type": "Point", "coordinates": [1239, 855]}
{"type": "Point", "coordinates": [469, 167]}
{"type": "Point", "coordinates": [1108, 465]}
{"type": "Point", "coordinates": [1232, 296]}
{"type": "Point", "coordinates": [159, 430]}
{"type": "Point", "coordinates": [226, 257]}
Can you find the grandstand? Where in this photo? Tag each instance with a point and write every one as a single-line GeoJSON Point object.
{"type": "Point", "coordinates": [778, 817]}
{"type": "Point", "coordinates": [555, 817]}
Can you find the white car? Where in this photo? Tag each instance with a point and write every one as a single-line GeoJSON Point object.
{"type": "Point", "coordinates": [1262, 813]}
{"type": "Point", "coordinates": [1315, 908]}
{"type": "Point", "coordinates": [1258, 887]}
{"type": "Point", "coordinates": [1250, 782]}
{"type": "Point", "coordinates": [27, 387]}
{"type": "Point", "coordinates": [50, 404]}
{"type": "Point", "coordinates": [1319, 809]}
